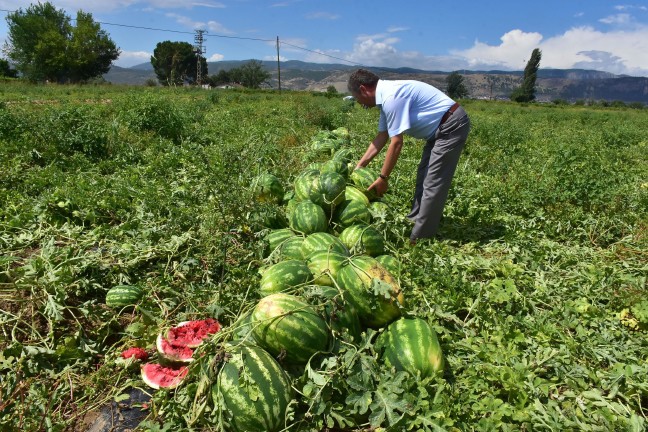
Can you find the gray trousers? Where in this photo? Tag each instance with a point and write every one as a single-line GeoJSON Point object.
{"type": "Point", "coordinates": [435, 171]}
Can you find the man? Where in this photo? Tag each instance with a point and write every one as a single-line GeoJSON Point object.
{"type": "Point", "coordinates": [421, 111]}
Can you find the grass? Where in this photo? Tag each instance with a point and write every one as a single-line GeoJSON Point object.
{"type": "Point", "coordinates": [536, 287]}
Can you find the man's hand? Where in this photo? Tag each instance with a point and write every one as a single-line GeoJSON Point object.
{"type": "Point", "coordinates": [380, 186]}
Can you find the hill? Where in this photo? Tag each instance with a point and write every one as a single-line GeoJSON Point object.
{"type": "Point", "coordinates": [552, 84]}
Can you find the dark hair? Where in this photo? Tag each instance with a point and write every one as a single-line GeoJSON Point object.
{"type": "Point", "coordinates": [362, 77]}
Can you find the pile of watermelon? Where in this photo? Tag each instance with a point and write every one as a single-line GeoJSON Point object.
{"type": "Point", "coordinates": [327, 278]}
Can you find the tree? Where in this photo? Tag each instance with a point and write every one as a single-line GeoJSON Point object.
{"type": "Point", "coordinates": [252, 74]}
{"type": "Point", "coordinates": [6, 70]}
{"type": "Point", "coordinates": [222, 77]}
{"type": "Point", "coordinates": [456, 88]}
{"type": "Point", "coordinates": [176, 63]}
{"type": "Point", "coordinates": [526, 92]}
{"type": "Point", "coordinates": [44, 45]}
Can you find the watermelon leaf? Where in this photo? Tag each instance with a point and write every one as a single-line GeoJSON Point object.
{"type": "Point", "coordinates": [388, 402]}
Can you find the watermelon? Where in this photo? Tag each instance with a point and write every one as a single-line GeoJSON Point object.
{"type": "Point", "coordinates": [326, 143]}
{"type": "Point", "coordinates": [283, 276]}
{"type": "Point", "coordinates": [268, 188]}
{"type": "Point", "coordinates": [332, 189]}
{"type": "Point", "coordinates": [121, 296]}
{"type": "Point", "coordinates": [344, 155]}
{"type": "Point", "coordinates": [291, 249]}
{"type": "Point", "coordinates": [390, 263]}
{"type": "Point", "coordinates": [353, 193]}
{"type": "Point", "coordinates": [351, 212]}
{"type": "Point", "coordinates": [411, 345]}
{"type": "Point", "coordinates": [322, 241]}
{"type": "Point", "coordinates": [343, 134]}
{"type": "Point", "coordinates": [177, 344]}
{"type": "Point", "coordinates": [288, 326]}
{"type": "Point", "coordinates": [363, 178]}
{"type": "Point", "coordinates": [363, 239]}
{"type": "Point", "coordinates": [325, 265]}
{"type": "Point", "coordinates": [308, 217]}
{"type": "Point", "coordinates": [158, 376]}
{"type": "Point", "coordinates": [252, 390]}
{"type": "Point", "coordinates": [276, 237]}
{"type": "Point", "coordinates": [340, 314]}
{"type": "Point", "coordinates": [372, 290]}
{"type": "Point", "coordinates": [307, 186]}
{"type": "Point", "coordinates": [379, 210]}
{"type": "Point", "coordinates": [336, 166]}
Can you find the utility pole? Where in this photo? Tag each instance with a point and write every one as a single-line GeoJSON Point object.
{"type": "Point", "coordinates": [278, 67]}
{"type": "Point", "coordinates": [199, 50]}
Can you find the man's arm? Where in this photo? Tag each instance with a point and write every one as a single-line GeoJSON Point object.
{"type": "Point", "coordinates": [393, 152]}
{"type": "Point", "coordinates": [374, 148]}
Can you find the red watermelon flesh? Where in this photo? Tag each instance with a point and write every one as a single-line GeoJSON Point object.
{"type": "Point", "coordinates": [191, 333]}
{"type": "Point", "coordinates": [158, 376]}
{"type": "Point", "coordinates": [178, 354]}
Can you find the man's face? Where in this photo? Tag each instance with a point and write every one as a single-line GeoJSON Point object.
{"type": "Point", "coordinates": [365, 97]}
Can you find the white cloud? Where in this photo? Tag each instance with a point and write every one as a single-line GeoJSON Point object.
{"type": "Point", "coordinates": [215, 57]}
{"type": "Point", "coordinates": [618, 19]}
{"type": "Point", "coordinates": [211, 26]}
{"type": "Point", "coordinates": [132, 58]}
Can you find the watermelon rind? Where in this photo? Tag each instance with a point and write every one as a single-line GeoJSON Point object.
{"type": "Point", "coordinates": [121, 296]}
{"type": "Point", "coordinates": [172, 354]}
{"type": "Point", "coordinates": [252, 390]}
{"type": "Point", "coordinates": [372, 290]}
{"type": "Point", "coordinates": [411, 345]}
{"type": "Point", "coordinates": [308, 217]}
{"type": "Point", "coordinates": [363, 239]}
{"type": "Point", "coordinates": [352, 212]}
{"type": "Point", "coordinates": [322, 241]}
{"type": "Point", "coordinates": [353, 193]}
{"type": "Point", "coordinates": [325, 265]}
{"type": "Point", "coordinates": [268, 189]}
{"type": "Point", "coordinates": [283, 276]}
{"type": "Point", "coordinates": [159, 376]}
{"type": "Point", "coordinates": [287, 326]}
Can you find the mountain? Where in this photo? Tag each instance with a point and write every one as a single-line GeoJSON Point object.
{"type": "Point", "coordinates": [568, 84]}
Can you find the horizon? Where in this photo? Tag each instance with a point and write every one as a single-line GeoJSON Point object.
{"type": "Point", "coordinates": [600, 35]}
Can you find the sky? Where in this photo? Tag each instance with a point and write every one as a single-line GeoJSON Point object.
{"type": "Point", "coordinates": [437, 35]}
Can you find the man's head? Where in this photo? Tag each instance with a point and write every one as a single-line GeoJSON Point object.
{"type": "Point", "coordinates": [362, 85]}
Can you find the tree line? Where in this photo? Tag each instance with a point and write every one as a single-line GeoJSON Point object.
{"type": "Point", "coordinates": [44, 46]}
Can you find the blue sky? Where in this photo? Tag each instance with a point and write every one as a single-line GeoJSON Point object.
{"type": "Point", "coordinates": [434, 35]}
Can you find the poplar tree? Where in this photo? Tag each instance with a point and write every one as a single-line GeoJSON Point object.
{"type": "Point", "coordinates": [526, 92]}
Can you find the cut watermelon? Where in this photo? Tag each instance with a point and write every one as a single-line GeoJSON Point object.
{"type": "Point", "coordinates": [178, 343]}
{"type": "Point", "coordinates": [172, 353]}
{"type": "Point", "coordinates": [192, 333]}
{"type": "Point", "coordinates": [157, 376]}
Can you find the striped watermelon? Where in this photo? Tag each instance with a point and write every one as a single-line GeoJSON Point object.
{"type": "Point", "coordinates": [276, 237]}
{"type": "Point", "coordinates": [332, 188]}
{"type": "Point", "coordinates": [363, 178]}
{"type": "Point", "coordinates": [379, 210]}
{"type": "Point", "coordinates": [363, 239]}
{"type": "Point", "coordinates": [291, 249]}
{"type": "Point", "coordinates": [351, 212]}
{"type": "Point", "coordinates": [288, 326]}
{"type": "Point", "coordinates": [390, 263]}
{"type": "Point", "coordinates": [353, 193]}
{"type": "Point", "coordinates": [307, 186]}
{"type": "Point", "coordinates": [343, 134]}
{"type": "Point", "coordinates": [268, 188]}
{"type": "Point", "coordinates": [283, 276]}
{"type": "Point", "coordinates": [322, 241]}
{"type": "Point", "coordinates": [411, 345]}
{"type": "Point", "coordinates": [121, 296]}
{"type": "Point", "coordinates": [252, 390]}
{"type": "Point", "coordinates": [340, 314]}
{"type": "Point", "coordinates": [325, 265]}
{"type": "Point", "coordinates": [336, 166]}
{"type": "Point", "coordinates": [372, 290]}
{"type": "Point", "coordinates": [308, 217]}
{"type": "Point", "coordinates": [344, 155]}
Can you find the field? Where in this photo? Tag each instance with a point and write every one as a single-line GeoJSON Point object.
{"type": "Point", "coordinates": [536, 287]}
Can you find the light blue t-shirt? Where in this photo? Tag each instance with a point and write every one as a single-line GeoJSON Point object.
{"type": "Point", "coordinates": [410, 107]}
